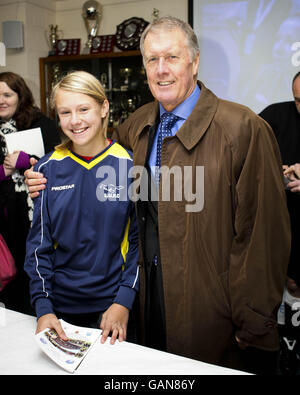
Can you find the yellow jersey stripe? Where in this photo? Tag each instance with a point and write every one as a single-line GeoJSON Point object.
{"type": "Point", "coordinates": [125, 243]}
{"type": "Point", "coordinates": [115, 150]}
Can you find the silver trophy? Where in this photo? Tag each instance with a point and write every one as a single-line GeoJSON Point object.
{"type": "Point", "coordinates": [91, 13]}
{"type": "Point", "coordinates": [52, 39]}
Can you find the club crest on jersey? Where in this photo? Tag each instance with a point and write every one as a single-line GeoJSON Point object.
{"type": "Point", "coordinates": [111, 191]}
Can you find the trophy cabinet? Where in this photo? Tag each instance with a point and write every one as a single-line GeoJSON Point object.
{"type": "Point", "coordinates": [121, 73]}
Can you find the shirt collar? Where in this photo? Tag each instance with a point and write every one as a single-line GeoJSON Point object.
{"type": "Point", "coordinates": [184, 109]}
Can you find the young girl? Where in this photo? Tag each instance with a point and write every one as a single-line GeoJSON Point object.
{"type": "Point", "coordinates": [82, 248]}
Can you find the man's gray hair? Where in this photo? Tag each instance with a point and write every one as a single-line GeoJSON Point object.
{"type": "Point", "coordinates": [172, 23]}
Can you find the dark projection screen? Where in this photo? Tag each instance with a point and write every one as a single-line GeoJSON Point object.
{"type": "Point", "coordinates": [250, 49]}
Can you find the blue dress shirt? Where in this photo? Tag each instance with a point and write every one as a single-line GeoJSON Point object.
{"type": "Point", "coordinates": [183, 111]}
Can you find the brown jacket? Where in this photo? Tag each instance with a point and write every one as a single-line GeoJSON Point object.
{"type": "Point", "coordinates": [224, 266]}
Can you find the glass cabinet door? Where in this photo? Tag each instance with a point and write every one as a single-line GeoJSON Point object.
{"type": "Point", "coordinates": [122, 75]}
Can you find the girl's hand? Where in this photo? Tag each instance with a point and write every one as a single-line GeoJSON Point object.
{"type": "Point", "coordinates": [50, 321]}
{"type": "Point", "coordinates": [114, 320]}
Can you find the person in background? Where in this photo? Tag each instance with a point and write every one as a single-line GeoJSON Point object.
{"type": "Point", "coordinates": [18, 112]}
{"type": "Point", "coordinates": [213, 273]}
{"type": "Point", "coordinates": [82, 248]}
{"type": "Point", "coordinates": [284, 118]}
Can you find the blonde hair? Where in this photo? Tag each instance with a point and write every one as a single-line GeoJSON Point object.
{"type": "Point", "coordinates": [85, 83]}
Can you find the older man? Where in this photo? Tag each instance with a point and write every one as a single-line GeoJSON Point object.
{"type": "Point", "coordinates": [214, 265]}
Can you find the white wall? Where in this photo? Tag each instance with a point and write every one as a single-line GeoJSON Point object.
{"type": "Point", "coordinates": [37, 15]}
{"type": "Point", "coordinates": [114, 12]}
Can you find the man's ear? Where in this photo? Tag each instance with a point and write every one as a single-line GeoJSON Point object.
{"type": "Point", "coordinates": [196, 64]}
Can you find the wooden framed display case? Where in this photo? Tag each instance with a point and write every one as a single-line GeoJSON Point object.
{"type": "Point", "coordinates": [121, 73]}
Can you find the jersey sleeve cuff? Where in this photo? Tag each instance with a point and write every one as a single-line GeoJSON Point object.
{"type": "Point", "coordinates": [43, 306]}
{"type": "Point", "coordinates": [125, 297]}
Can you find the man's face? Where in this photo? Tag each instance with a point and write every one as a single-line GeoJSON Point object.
{"type": "Point", "coordinates": [171, 73]}
{"type": "Point", "coordinates": [296, 93]}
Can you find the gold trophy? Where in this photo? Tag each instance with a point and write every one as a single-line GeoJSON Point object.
{"type": "Point", "coordinates": [91, 13]}
{"type": "Point", "coordinates": [155, 14]}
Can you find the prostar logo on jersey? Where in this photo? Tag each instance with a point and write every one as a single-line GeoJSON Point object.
{"type": "Point", "coordinates": [63, 187]}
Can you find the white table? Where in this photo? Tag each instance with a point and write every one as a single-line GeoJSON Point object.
{"type": "Point", "coordinates": [19, 354]}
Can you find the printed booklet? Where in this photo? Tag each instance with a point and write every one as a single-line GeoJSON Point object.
{"type": "Point", "coordinates": [68, 354]}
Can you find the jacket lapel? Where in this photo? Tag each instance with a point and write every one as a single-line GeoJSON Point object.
{"type": "Point", "coordinates": [198, 122]}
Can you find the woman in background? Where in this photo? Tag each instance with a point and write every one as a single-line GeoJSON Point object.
{"type": "Point", "coordinates": [18, 112]}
